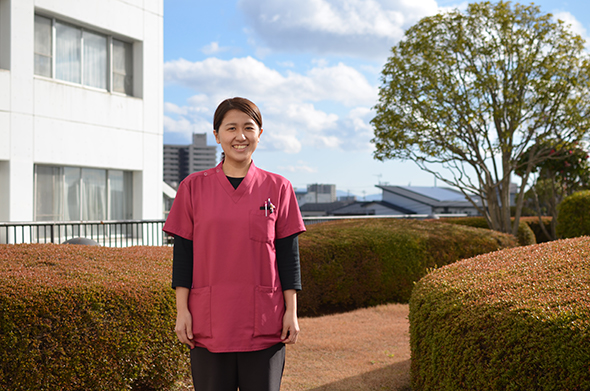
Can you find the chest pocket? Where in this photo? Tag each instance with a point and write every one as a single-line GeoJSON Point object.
{"type": "Point", "coordinates": [262, 228]}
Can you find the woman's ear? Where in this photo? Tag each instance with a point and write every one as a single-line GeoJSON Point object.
{"type": "Point", "coordinates": [216, 136]}
{"type": "Point", "coordinates": [259, 134]}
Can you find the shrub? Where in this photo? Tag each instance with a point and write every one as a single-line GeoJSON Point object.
{"type": "Point", "coordinates": [349, 264]}
{"type": "Point", "coordinates": [516, 319]}
{"type": "Point", "coordinates": [525, 235]}
{"type": "Point", "coordinates": [87, 318]}
{"type": "Point", "coordinates": [535, 226]}
{"type": "Point", "coordinates": [573, 217]}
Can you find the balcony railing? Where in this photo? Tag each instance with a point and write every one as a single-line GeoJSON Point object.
{"type": "Point", "coordinates": [114, 233]}
{"type": "Point", "coordinates": [122, 233]}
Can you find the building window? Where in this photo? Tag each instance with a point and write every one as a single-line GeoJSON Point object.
{"type": "Point", "coordinates": [68, 53]}
{"type": "Point", "coordinates": [4, 34]}
{"type": "Point", "coordinates": [122, 67]}
{"type": "Point", "coordinates": [87, 194]}
{"type": "Point", "coordinates": [83, 57]}
{"type": "Point", "coordinates": [43, 58]}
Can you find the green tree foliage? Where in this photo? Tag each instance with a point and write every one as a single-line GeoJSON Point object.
{"type": "Point", "coordinates": [563, 173]}
{"type": "Point", "coordinates": [475, 91]}
{"type": "Point", "coordinates": [573, 218]}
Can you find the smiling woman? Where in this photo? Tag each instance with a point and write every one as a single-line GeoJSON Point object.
{"type": "Point", "coordinates": [237, 127]}
{"type": "Point", "coordinates": [236, 261]}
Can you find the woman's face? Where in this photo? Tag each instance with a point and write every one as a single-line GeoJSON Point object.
{"type": "Point", "coordinates": [239, 136]}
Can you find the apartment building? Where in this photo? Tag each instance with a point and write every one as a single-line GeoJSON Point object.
{"type": "Point", "coordinates": [317, 193]}
{"type": "Point", "coordinates": [182, 160]}
{"type": "Point", "coordinates": [81, 110]}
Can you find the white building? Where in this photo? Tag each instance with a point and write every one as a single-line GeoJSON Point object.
{"type": "Point", "coordinates": [81, 109]}
{"type": "Point", "coordinates": [317, 193]}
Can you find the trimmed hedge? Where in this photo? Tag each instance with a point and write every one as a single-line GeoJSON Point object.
{"type": "Point", "coordinates": [88, 318]}
{"type": "Point", "coordinates": [516, 319]}
{"type": "Point", "coordinates": [349, 264]}
{"type": "Point", "coordinates": [526, 236]}
{"type": "Point", "coordinates": [573, 216]}
{"type": "Point", "coordinates": [95, 318]}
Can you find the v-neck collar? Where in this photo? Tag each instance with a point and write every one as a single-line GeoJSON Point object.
{"type": "Point", "coordinates": [236, 194]}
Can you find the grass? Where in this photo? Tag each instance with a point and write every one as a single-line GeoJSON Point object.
{"type": "Point", "coordinates": [363, 350]}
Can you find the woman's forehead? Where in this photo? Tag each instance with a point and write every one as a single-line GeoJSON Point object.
{"type": "Point", "coordinates": [235, 117]}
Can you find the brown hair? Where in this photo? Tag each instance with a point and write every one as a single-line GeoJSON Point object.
{"type": "Point", "coordinates": [242, 104]}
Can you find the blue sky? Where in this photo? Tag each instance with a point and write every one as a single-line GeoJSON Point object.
{"type": "Point", "coordinates": [312, 66]}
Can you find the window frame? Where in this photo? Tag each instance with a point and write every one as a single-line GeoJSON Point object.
{"type": "Point", "coordinates": [109, 57]}
{"type": "Point", "coordinates": [61, 189]}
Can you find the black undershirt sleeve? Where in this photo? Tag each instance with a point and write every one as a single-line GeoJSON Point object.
{"type": "Point", "coordinates": [288, 262]}
{"type": "Point", "coordinates": [182, 263]}
{"type": "Point", "coordinates": [287, 250]}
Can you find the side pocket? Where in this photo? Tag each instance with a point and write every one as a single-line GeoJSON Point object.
{"type": "Point", "coordinates": [269, 307]}
{"type": "Point", "coordinates": [262, 228]}
{"type": "Point", "coordinates": [199, 303]}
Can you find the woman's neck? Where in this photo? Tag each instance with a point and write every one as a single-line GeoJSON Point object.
{"type": "Point", "coordinates": [234, 170]}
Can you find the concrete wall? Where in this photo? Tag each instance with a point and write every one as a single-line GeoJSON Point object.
{"type": "Point", "coordinates": [47, 121]}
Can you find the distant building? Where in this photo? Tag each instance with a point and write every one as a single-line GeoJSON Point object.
{"type": "Point", "coordinates": [313, 209]}
{"type": "Point", "coordinates": [428, 200]}
{"type": "Point", "coordinates": [182, 160]}
{"type": "Point", "coordinates": [352, 208]}
{"type": "Point", "coordinates": [371, 208]}
{"type": "Point", "coordinates": [317, 193]}
{"type": "Point", "coordinates": [81, 110]}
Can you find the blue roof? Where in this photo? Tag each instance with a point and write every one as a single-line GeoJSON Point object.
{"type": "Point", "coordinates": [436, 193]}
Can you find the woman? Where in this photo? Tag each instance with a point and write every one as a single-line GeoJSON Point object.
{"type": "Point", "coordinates": [236, 261]}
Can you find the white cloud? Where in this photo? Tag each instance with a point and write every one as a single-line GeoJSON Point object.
{"type": "Point", "coordinates": [248, 76]}
{"type": "Point", "coordinates": [174, 109]}
{"type": "Point", "coordinates": [286, 64]}
{"type": "Point", "coordinates": [355, 27]}
{"type": "Point", "coordinates": [300, 167]}
{"type": "Point", "coordinates": [213, 48]}
{"type": "Point", "coordinates": [186, 126]}
{"type": "Point", "coordinates": [293, 104]}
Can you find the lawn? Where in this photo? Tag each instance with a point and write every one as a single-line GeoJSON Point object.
{"type": "Point", "coordinates": [363, 350]}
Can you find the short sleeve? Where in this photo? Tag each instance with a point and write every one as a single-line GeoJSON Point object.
{"type": "Point", "coordinates": [289, 221]}
{"type": "Point", "coordinates": [180, 218]}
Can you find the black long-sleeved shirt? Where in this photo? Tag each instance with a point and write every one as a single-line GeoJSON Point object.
{"type": "Point", "coordinates": [287, 250]}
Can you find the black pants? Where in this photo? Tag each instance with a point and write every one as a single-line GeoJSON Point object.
{"type": "Point", "coordinates": [261, 370]}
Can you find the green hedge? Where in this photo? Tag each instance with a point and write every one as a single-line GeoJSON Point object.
{"type": "Point", "coordinates": [95, 318]}
{"type": "Point", "coordinates": [517, 319]}
{"type": "Point", "coordinates": [87, 318]}
{"type": "Point", "coordinates": [350, 264]}
{"type": "Point", "coordinates": [573, 216]}
{"type": "Point", "coordinates": [526, 236]}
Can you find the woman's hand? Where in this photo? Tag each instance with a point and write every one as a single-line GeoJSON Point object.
{"type": "Point", "coordinates": [184, 328]}
{"type": "Point", "coordinates": [184, 319]}
{"type": "Point", "coordinates": [290, 323]}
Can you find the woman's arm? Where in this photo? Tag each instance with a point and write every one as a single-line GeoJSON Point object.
{"type": "Point", "coordinates": [184, 321]}
{"type": "Point", "coordinates": [182, 280]}
{"type": "Point", "coordinates": [290, 323]}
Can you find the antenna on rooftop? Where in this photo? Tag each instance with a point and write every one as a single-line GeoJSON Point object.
{"type": "Point", "coordinates": [379, 176]}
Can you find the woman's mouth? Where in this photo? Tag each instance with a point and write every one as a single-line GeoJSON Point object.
{"type": "Point", "coordinates": [239, 147]}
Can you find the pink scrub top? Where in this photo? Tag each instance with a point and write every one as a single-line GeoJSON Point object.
{"type": "Point", "coordinates": [236, 300]}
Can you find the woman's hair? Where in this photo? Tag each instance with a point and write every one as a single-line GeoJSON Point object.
{"type": "Point", "coordinates": [241, 104]}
